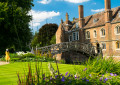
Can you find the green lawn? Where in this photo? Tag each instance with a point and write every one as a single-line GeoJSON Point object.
{"type": "Point", "coordinates": [8, 73]}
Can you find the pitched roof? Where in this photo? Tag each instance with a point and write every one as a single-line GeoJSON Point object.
{"type": "Point", "coordinates": [100, 17]}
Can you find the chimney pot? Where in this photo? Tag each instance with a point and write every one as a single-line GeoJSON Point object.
{"type": "Point", "coordinates": [81, 16]}
{"type": "Point", "coordinates": [108, 11]}
{"type": "Point", "coordinates": [107, 5]}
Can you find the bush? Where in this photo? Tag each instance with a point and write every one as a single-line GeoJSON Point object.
{"type": "Point", "coordinates": [101, 65]}
{"type": "Point", "coordinates": [82, 77]}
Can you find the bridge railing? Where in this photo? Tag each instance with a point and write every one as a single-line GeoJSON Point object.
{"type": "Point", "coordinates": [69, 46]}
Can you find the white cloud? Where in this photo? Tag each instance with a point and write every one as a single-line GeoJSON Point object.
{"type": "Point", "coordinates": [44, 1]}
{"type": "Point", "coordinates": [97, 10]}
{"type": "Point", "coordinates": [35, 24]}
{"type": "Point", "coordinates": [74, 1]}
{"type": "Point", "coordinates": [94, 3]}
{"type": "Point", "coordinates": [40, 16]}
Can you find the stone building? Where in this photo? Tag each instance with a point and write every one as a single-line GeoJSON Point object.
{"type": "Point", "coordinates": [100, 29]}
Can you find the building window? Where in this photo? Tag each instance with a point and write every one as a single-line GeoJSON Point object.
{"type": "Point", "coordinates": [77, 25]}
{"type": "Point", "coordinates": [117, 29]}
{"type": "Point", "coordinates": [74, 36]}
{"type": "Point", "coordinates": [103, 45]}
{"type": "Point", "coordinates": [102, 32]}
{"type": "Point", "coordinates": [88, 35]}
{"type": "Point", "coordinates": [77, 35]}
{"type": "Point", "coordinates": [95, 33]}
{"type": "Point", "coordinates": [95, 20]}
{"type": "Point", "coordinates": [70, 38]}
{"type": "Point", "coordinates": [118, 44]}
{"type": "Point", "coordinates": [119, 13]}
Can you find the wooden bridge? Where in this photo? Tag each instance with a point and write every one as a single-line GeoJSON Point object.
{"type": "Point", "coordinates": [69, 47]}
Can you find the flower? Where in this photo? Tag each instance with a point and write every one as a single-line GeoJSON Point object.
{"type": "Point", "coordinates": [111, 74]}
{"type": "Point", "coordinates": [75, 76]}
{"type": "Point", "coordinates": [51, 78]}
{"type": "Point", "coordinates": [90, 75]}
{"type": "Point", "coordinates": [105, 80]}
{"type": "Point", "coordinates": [87, 80]}
{"type": "Point", "coordinates": [56, 72]}
{"type": "Point", "coordinates": [101, 78]}
{"type": "Point", "coordinates": [56, 76]}
{"type": "Point", "coordinates": [43, 75]}
{"type": "Point", "coordinates": [85, 69]}
{"type": "Point", "coordinates": [66, 73]}
{"type": "Point", "coordinates": [115, 74]}
{"type": "Point", "coordinates": [63, 79]}
{"type": "Point", "coordinates": [84, 78]}
{"type": "Point", "coordinates": [69, 75]}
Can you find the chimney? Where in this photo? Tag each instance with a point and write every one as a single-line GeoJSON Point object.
{"type": "Point", "coordinates": [67, 18]}
{"type": "Point", "coordinates": [61, 21]}
{"type": "Point", "coordinates": [108, 11]}
{"type": "Point", "coordinates": [81, 16]}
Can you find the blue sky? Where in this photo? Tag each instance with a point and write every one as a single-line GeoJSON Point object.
{"type": "Point", "coordinates": [51, 11]}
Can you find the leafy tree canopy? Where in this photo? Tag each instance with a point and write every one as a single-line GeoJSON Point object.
{"type": "Point", "coordinates": [46, 33]}
{"type": "Point", "coordinates": [14, 24]}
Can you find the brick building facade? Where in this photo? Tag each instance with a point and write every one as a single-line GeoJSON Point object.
{"type": "Point", "coordinates": [100, 29]}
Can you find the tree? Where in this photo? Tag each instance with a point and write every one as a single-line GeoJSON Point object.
{"type": "Point", "coordinates": [53, 40]}
{"type": "Point", "coordinates": [46, 33]}
{"type": "Point", "coordinates": [34, 41]}
{"type": "Point", "coordinates": [14, 25]}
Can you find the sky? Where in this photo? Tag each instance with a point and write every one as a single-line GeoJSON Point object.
{"type": "Point", "coordinates": [52, 11]}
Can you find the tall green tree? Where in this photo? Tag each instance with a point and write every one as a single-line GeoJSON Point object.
{"type": "Point", "coordinates": [46, 32]}
{"type": "Point", "coordinates": [14, 24]}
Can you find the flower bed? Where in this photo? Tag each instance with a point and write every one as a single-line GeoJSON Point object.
{"type": "Point", "coordinates": [87, 76]}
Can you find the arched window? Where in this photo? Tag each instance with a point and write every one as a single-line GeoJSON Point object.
{"type": "Point", "coordinates": [102, 32]}
{"type": "Point", "coordinates": [95, 33]}
{"type": "Point", "coordinates": [118, 44]}
{"type": "Point", "coordinates": [87, 34]}
{"type": "Point", "coordinates": [117, 29]}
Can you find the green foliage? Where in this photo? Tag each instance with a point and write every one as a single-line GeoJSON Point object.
{"type": "Point", "coordinates": [53, 40]}
{"type": "Point", "coordinates": [34, 41]}
{"type": "Point", "coordinates": [8, 72]}
{"type": "Point", "coordinates": [46, 33]}
{"type": "Point", "coordinates": [82, 77]}
{"type": "Point", "coordinates": [101, 65]}
{"type": "Point", "coordinates": [14, 24]}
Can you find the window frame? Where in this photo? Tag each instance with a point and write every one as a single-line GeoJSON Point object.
{"type": "Point", "coordinates": [77, 25]}
{"type": "Point", "coordinates": [77, 35]}
{"type": "Point", "coordinates": [87, 37]}
{"type": "Point", "coordinates": [119, 14]}
{"type": "Point", "coordinates": [73, 37]}
{"type": "Point", "coordinates": [95, 34]}
{"type": "Point", "coordinates": [101, 32]}
{"type": "Point", "coordinates": [118, 48]}
{"type": "Point", "coordinates": [116, 30]}
{"type": "Point", "coordinates": [103, 46]}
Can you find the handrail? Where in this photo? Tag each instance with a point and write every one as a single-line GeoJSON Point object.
{"type": "Point", "coordinates": [67, 46]}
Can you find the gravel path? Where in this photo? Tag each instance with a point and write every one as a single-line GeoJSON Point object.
{"type": "Point", "coordinates": [3, 63]}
